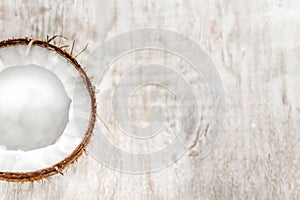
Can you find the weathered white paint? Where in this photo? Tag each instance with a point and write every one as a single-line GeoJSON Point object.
{"type": "Point", "coordinates": [256, 48]}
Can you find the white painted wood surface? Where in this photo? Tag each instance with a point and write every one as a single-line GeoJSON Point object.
{"type": "Point", "coordinates": [256, 48]}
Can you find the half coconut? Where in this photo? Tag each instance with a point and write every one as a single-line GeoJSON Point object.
{"type": "Point", "coordinates": [47, 110]}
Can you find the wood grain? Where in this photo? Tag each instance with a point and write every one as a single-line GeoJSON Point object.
{"type": "Point", "coordinates": [256, 48]}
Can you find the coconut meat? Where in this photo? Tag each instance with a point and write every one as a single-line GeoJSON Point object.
{"type": "Point", "coordinates": [44, 108]}
{"type": "Point", "coordinates": [34, 108]}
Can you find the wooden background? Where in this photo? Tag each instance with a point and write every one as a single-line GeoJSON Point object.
{"type": "Point", "coordinates": [256, 48]}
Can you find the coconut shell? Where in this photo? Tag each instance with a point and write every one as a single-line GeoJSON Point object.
{"type": "Point", "coordinates": [59, 167]}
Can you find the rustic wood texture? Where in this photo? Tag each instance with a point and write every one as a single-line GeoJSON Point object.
{"type": "Point", "coordinates": [256, 48]}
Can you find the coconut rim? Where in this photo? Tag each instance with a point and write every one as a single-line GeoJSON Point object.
{"type": "Point", "coordinates": [59, 167]}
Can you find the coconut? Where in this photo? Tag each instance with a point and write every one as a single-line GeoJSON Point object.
{"type": "Point", "coordinates": [48, 110]}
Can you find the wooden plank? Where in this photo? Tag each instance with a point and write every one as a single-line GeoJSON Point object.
{"type": "Point", "coordinates": [255, 46]}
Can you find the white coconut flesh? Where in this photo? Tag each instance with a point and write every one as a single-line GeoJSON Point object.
{"type": "Point", "coordinates": [44, 108]}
